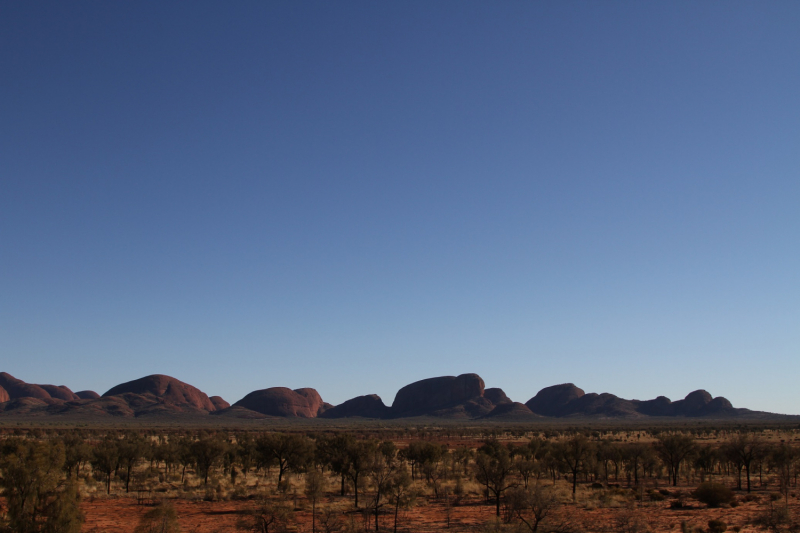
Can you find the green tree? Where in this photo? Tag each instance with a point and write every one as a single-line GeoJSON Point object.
{"type": "Point", "coordinates": [289, 452]}
{"type": "Point", "coordinates": [359, 461]}
{"type": "Point", "coordinates": [245, 452]}
{"type": "Point", "coordinates": [493, 468]}
{"type": "Point", "coordinates": [206, 451]}
{"type": "Point", "coordinates": [572, 454]}
{"type": "Point", "coordinates": [130, 451]}
{"type": "Point", "coordinates": [105, 457]}
{"type": "Point", "coordinates": [76, 452]}
{"type": "Point", "coordinates": [38, 496]}
{"type": "Point", "coordinates": [334, 452]}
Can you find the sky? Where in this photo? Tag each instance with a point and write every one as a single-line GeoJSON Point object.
{"type": "Point", "coordinates": [354, 196]}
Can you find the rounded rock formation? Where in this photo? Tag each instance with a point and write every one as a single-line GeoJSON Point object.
{"type": "Point", "coordinates": [283, 402]}
{"type": "Point", "coordinates": [369, 406]}
{"type": "Point", "coordinates": [4, 396]}
{"type": "Point", "coordinates": [433, 394]}
{"type": "Point", "coordinates": [552, 401]}
{"type": "Point", "coordinates": [496, 396]}
{"type": "Point", "coordinates": [87, 395]}
{"type": "Point", "coordinates": [168, 389]}
{"type": "Point", "coordinates": [16, 388]}
{"type": "Point", "coordinates": [60, 392]}
{"type": "Point", "coordinates": [219, 403]}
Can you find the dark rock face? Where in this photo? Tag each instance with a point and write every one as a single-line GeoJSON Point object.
{"type": "Point", "coordinates": [434, 394]}
{"type": "Point", "coordinates": [473, 408]}
{"type": "Point", "coordinates": [4, 396]}
{"type": "Point", "coordinates": [283, 402]}
{"type": "Point", "coordinates": [87, 395]}
{"type": "Point", "coordinates": [496, 396]}
{"type": "Point", "coordinates": [369, 406]}
{"type": "Point", "coordinates": [167, 389]}
{"type": "Point", "coordinates": [511, 410]}
{"type": "Point", "coordinates": [552, 401]}
{"type": "Point", "coordinates": [661, 406]}
{"type": "Point", "coordinates": [701, 403]}
{"type": "Point", "coordinates": [568, 400]}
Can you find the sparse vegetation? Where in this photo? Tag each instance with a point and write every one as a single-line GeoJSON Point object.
{"type": "Point", "coordinates": [404, 479]}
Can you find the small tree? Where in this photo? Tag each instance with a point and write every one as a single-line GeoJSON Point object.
{"type": "Point", "coordinates": [783, 459]}
{"type": "Point", "coordinates": [744, 449]}
{"type": "Point", "coordinates": [130, 450]}
{"type": "Point", "coordinates": [493, 469]}
{"type": "Point", "coordinates": [267, 517]}
{"type": "Point", "coordinates": [359, 461]}
{"type": "Point", "coordinates": [105, 457]}
{"type": "Point", "coordinates": [205, 452]}
{"type": "Point", "coordinates": [572, 454]}
{"type": "Point", "coordinates": [315, 485]}
{"type": "Point", "coordinates": [532, 506]}
{"type": "Point", "coordinates": [380, 472]}
{"type": "Point", "coordinates": [289, 452]}
{"type": "Point", "coordinates": [400, 493]}
{"type": "Point", "coordinates": [245, 452]}
{"type": "Point", "coordinates": [673, 450]}
{"type": "Point", "coordinates": [76, 453]}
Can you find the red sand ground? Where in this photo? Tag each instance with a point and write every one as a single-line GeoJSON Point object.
{"type": "Point", "coordinates": [120, 515]}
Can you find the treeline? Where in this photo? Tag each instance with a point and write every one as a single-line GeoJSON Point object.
{"type": "Point", "coordinates": [41, 473]}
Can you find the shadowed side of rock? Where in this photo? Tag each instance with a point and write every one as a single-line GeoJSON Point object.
{"type": "Point", "coordinates": [437, 394]}
{"type": "Point", "coordinates": [368, 406]}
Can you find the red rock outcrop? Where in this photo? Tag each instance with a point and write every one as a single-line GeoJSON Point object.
{"type": "Point", "coordinates": [17, 388]}
{"type": "Point", "coordinates": [283, 402]}
{"type": "Point", "coordinates": [87, 395]}
{"type": "Point", "coordinates": [167, 389]}
{"type": "Point", "coordinates": [4, 396]}
{"type": "Point", "coordinates": [496, 396]}
{"type": "Point", "coordinates": [219, 403]}
{"type": "Point", "coordinates": [436, 394]}
{"type": "Point", "coordinates": [60, 392]}
{"type": "Point", "coordinates": [552, 401]}
{"type": "Point", "coordinates": [369, 406]}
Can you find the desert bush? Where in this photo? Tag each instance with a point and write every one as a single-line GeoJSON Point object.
{"type": "Point", "coordinates": [717, 526]}
{"type": "Point", "coordinates": [713, 494]}
{"type": "Point", "coordinates": [160, 519]}
{"type": "Point", "coordinates": [632, 522]}
{"type": "Point", "coordinates": [267, 517]}
{"type": "Point", "coordinates": [774, 518]}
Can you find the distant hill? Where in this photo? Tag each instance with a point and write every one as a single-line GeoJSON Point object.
{"type": "Point", "coordinates": [461, 397]}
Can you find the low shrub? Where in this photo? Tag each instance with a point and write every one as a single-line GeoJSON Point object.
{"type": "Point", "coordinates": [713, 494]}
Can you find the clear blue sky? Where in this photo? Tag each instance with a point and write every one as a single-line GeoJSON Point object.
{"type": "Point", "coordinates": [353, 196]}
